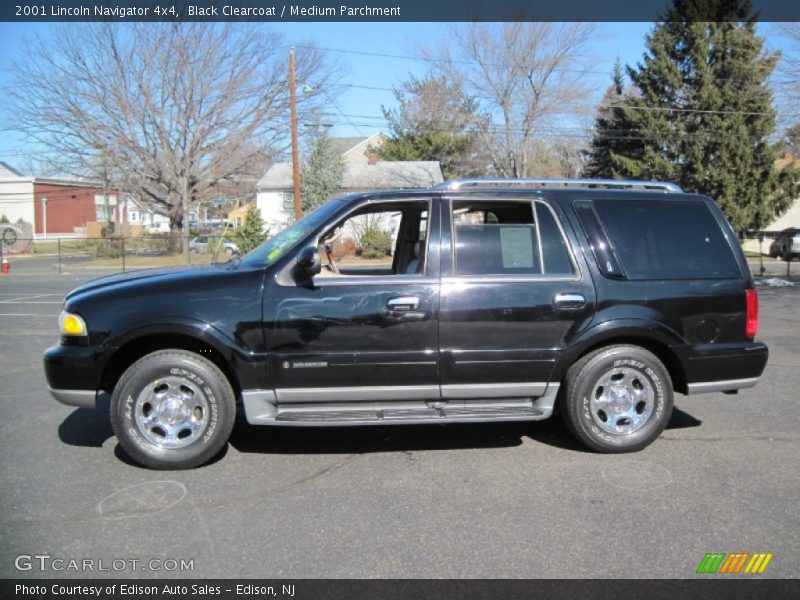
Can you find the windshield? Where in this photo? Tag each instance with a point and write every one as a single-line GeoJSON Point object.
{"type": "Point", "coordinates": [278, 245]}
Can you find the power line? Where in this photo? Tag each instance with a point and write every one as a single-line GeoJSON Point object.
{"type": "Point", "coordinates": [492, 65]}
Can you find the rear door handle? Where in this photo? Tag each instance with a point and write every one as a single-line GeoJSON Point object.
{"type": "Point", "coordinates": [569, 300]}
{"type": "Point", "coordinates": [403, 303]}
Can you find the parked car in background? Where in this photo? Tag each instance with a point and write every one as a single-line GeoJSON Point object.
{"type": "Point", "coordinates": [204, 244]}
{"type": "Point", "coordinates": [786, 245]}
{"type": "Point", "coordinates": [158, 227]}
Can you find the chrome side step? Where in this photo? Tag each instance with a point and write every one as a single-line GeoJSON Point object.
{"type": "Point", "coordinates": [406, 415]}
{"type": "Point", "coordinates": [261, 407]}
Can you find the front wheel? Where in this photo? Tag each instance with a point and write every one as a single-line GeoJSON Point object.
{"type": "Point", "coordinates": [173, 409]}
{"type": "Point", "coordinates": [618, 399]}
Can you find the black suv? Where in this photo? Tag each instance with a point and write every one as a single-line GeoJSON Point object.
{"type": "Point", "coordinates": [496, 300]}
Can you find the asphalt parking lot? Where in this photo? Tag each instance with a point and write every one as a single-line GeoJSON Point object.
{"type": "Point", "coordinates": [477, 501]}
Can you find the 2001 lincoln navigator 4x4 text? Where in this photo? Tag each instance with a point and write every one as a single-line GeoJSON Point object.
{"type": "Point", "coordinates": [502, 299]}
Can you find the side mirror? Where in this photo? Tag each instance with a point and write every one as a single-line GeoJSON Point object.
{"type": "Point", "coordinates": [308, 263]}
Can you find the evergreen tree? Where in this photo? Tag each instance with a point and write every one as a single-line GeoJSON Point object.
{"type": "Point", "coordinates": [434, 122]}
{"type": "Point", "coordinates": [251, 233]}
{"type": "Point", "coordinates": [607, 139]}
{"type": "Point", "coordinates": [321, 171]}
{"type": "Point", "coordinates": [703, 113]}
{"type": "Point", "coordinates": [792, 138]}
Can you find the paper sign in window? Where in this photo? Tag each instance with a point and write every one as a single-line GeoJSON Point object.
{"type": "Point", "coordinates": [517, 247]}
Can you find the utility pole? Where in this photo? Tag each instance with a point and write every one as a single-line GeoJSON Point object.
{"type": "Point", "coordinates": [106, 200]}
{"type": "Point", "coordinates": [298, 212]}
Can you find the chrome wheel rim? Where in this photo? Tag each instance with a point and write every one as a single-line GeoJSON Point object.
{"type": "Point", "coordinates": [171, 412]}
{"type": "Point", "coordinates": [622, 401]}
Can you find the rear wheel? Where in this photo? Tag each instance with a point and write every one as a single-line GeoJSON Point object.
{"type": "Point", "coordinates": [173, 409]}
{"type": "Point", "coordinates": [618, 399]}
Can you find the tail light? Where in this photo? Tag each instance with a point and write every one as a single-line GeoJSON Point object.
{"type": "Point", "coordinates": [751, 321]}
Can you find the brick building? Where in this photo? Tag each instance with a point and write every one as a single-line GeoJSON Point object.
{"type": "Point", "coordinates": [55, 207]}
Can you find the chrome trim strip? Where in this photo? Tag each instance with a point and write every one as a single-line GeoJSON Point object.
{"type": "Point", "coordinates": [81, 398]}
{"type": "Point", "coordinates": [724, 385]}
{"type": "Point", "coordinates": [376, 393]}
{"type": "Point", "coordinates": [493, 390]}
{"type": "Point", "coordinates": [259, 405]}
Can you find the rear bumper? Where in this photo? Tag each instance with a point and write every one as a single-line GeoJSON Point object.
{"type": "Point", "coordinates": [81, 398]}
{"type": "Point", "coordinates": [724, 367]}
{"type": "Point", "coordinates": [729, 385]}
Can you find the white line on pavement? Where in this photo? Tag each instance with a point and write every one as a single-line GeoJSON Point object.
{"type": "Point", "coordinates": [26, 302]}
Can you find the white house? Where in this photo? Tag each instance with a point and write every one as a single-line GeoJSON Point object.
{"type": "Point", "coordinates": [274, 192]}
{"type": "Point", "coordinates": [790, 218]}
{"type": "Point", "coordinates": [136, 213]}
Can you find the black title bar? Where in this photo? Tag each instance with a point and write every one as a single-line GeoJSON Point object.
{"type": "Point", "coordinates": [739, 588]}
{"type": "Point", "coordinates": [372, 10]}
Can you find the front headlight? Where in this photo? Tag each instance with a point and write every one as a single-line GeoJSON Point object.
{"type": "Point", "coordinates": [71, 324]}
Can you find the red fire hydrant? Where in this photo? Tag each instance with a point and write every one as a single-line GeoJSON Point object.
{"type": "Point", "coordinates": [6, 267]}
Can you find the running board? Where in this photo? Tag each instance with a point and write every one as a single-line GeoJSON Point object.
{"type": "Point", "coordinates": [261, 408]}
{"type": "Point", "coordinates": [407, 415]}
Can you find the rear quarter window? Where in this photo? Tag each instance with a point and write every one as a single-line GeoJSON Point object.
{"type": "Point", "coordinates": [667, 239]}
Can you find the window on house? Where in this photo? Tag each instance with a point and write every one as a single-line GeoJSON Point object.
{"type": "Point", "coordinates": [288, 200]}
{"type": "Point", "coordinates": [102, 215]}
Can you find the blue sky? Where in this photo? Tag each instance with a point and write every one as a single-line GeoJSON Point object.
{"type": "Point", "coordinates": [625, 40]}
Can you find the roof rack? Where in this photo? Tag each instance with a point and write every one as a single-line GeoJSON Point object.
{"type": "Point", "coordinates": [624, 184]}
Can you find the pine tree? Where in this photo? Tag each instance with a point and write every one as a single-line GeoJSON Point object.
{"type": "Point", "coordinates": [251, 233]}
{"type": "Point", "coordinates": [606, 139]}
{"type": "Point", "coordinates": [321, 171]}
{"type": "Point", "coordinates": [434, 122]}
{"type": "Point", "coordinates": [703, 114]}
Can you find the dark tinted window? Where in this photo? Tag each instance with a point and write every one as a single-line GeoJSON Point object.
{"type": "Point", "coordinates": [554, 248]}
{"type": "Point", "coordinates": [667, 239]}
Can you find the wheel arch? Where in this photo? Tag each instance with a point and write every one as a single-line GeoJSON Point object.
{"type": "Point", "coordinates": [650, 336]}
{"type": "Point", "coordinates": [135, 347]}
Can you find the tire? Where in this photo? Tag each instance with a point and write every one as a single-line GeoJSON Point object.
{"type": "Point", "coordinates": [229, 251]}
{"type": "Point", "coordinates": [173, 409]}
{"type": "Point", "coordinates": [618, 399]}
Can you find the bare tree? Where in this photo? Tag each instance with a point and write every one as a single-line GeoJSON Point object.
{"type": "Point", "coordinates": [524, 77]}
{"type": "Point", "coordinates": [170, 109]}
{"type": "Point", "coordinates": [555, 157]}
{"type": "Point", "coordinates": [787, 76]}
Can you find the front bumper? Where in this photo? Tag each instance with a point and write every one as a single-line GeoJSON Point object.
{"type": "Point", "coordinates": [73, 374]}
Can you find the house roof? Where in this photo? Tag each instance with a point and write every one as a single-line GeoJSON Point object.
{"type": "Point", "coordinates": [382, 175]}
{"type": "Point", "coordinates": [342, 145]}
{"type": "Point", "coordinates": [8, 171]}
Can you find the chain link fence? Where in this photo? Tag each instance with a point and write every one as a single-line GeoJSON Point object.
{"type": "Point", "coordinates": [769, 258]}
{"type": "Point", "coordinates": [40, 256]}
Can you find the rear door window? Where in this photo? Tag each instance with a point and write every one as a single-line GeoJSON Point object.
{"type": "Point", "coordinates": [508, 238]}
{"type": "Point", "coordinates": [667, 239]}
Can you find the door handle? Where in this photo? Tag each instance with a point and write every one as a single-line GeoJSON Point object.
{"type": "Point", "coordinates": [403, 303]}
{"type": "Point", "coordinates": [569, 300]}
